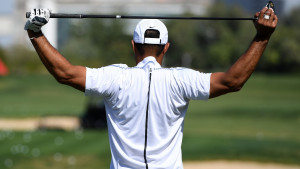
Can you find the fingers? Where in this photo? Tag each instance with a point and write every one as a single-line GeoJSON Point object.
{"type": "Point", "coordinates": [275, 21]}
{"type": "Point", "coordinates": [262, 13]}
{"type": "Point", "coordinates": [34, 12]}
{"type": "Point", "coordinates": [265, 15]}
{"type": "Point", "coordinates": [39, 12]}
{"type": "Point", "coordinates": [37, 19]}
{"type": "Point", "coordinates": [45, 11]}
{"type": "Point", "coordinates": [266, 22]}
{"type": "Point", "coordinates": [256, 15]}
{"type": "Point", "coordinates": [272, 15]}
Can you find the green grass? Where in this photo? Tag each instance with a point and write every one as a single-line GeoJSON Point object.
{"type": "Point", "coordinates": [54, 149]}
{"type": "Point", "coordinates": [38, 95]}
{"type": "Point", "coordinates": [260, 123]}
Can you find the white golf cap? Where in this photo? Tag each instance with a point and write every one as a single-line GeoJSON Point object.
{"type": "Point", "coordinates": [146, 24]}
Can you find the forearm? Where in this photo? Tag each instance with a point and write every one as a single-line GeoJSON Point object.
{"type": "Point", "coordinates": [237, 75]}
{"type": "Point", "coordinates": [63, 71]}
{"type": "Point", "coordinates": [55, 63]}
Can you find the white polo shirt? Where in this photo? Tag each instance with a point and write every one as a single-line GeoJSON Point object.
{"type": "Point", "coordinates": [145, 107]}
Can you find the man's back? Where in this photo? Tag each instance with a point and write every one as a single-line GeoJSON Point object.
{"type": "Point", "coordinates": [146, 106]}
{"type": "Point", "coordinates": [145, 124]}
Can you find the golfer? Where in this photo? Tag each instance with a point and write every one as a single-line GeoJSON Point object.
{"type": "Point", "coordinates": [146, 104]}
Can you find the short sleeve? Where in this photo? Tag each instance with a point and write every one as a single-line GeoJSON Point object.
{"type": "Point", "coordinates": [99, 82]}
{"type": "Point", "coordinates": [194, 84]}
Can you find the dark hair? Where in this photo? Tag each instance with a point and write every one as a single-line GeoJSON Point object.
{"type": "Point", "coordinates": [142, 48]}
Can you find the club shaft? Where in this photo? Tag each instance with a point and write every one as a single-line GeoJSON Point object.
{"type": "Point", "coordinates": [81, 16]}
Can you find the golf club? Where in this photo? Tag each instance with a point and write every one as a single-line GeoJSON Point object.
{"type": "Point", "coordinates": [81, 16]}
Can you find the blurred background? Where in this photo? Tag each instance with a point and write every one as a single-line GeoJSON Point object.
{"type": "Point", "coordinates": [44, 124]}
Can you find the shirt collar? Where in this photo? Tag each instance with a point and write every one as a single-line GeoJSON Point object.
{"type": "Point", "coordinates": [148, 61]}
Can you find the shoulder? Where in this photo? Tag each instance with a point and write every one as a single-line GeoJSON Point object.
{"type": "Point", "coordinates": [116, 66]}
{"type": "Point", "coordinates": [174, 69]}
{"type": "Point", "coordinates": [113, 68]}
{"type": "Point", "coordinates": [179, 74]}
{"type": "Point", "coordinates": [183, 71]}
{"type": "Point", "coordinates": [178, 71]}
{"type": "Point", "coordinates": [187, 74]}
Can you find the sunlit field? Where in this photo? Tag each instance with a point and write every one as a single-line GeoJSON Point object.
{"type": "Point", "coordinates": [259, 123]}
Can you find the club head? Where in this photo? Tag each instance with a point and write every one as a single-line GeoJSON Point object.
{"type": "Point", "coordinates": [271, 5]}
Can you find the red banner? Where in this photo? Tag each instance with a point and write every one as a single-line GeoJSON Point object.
{"type": "Point", "coordinates": [3, 69]}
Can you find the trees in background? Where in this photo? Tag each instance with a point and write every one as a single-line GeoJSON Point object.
{"type": "Point", "coordinates": [20, 59]}
{"type": "Point", "coordinates": [283, 54]}
{"type": "Point", "coordinates": [202, 45]}
{"type": "Point", "coordinates": [215, 45]}
{"type": "Point", "coordinates": [210, 45]}
{"type": "Point", "coordinates": [98, 42]}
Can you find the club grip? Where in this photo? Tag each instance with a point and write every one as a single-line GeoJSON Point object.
{"type": "Point", "coordinates": [63, 15]}
{"type": "Point", "coordinates": [27, 14]}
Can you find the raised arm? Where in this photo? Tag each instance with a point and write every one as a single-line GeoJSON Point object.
{"type": "Point", "coordinates": [63, 71]}
{"type": "Point", "coordinates": [237, 75]}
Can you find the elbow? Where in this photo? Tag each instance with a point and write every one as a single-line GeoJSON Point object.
{"type": "Point", "coordinates": [236, 88]}
{"type": "Point", "coordinates": [234, 85]}
{"type": "Point", "coordinates": [62, 78]}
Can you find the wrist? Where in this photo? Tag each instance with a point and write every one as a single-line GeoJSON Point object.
{"type": "Point", "coordinates": [34, 35]}
{"type": "Point", "coordinates": [261, 38]}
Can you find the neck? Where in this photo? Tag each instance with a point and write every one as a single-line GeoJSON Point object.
{"type": "Point", "coordinates": [138, 59]}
